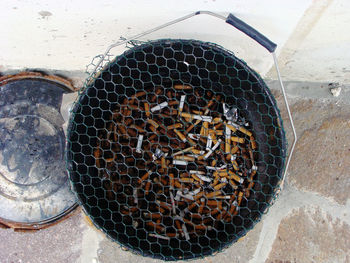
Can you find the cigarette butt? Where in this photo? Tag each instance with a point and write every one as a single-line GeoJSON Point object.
{"type": "Point", "coordinates": [196, 117]}
{"type": "Point", "coordinates": [153, 123]}
{"type": "Point", "coordinates": [216, 120]}
{"type": "Point", "coordinates": [195, 151]}
{"type": "Point", "coordinates": [153, 129]}
{"type": "Point", "coordinates": [183, 151]}
{"type": "Point", "coordinates": [250, 186]}
{"type": "Point", "coordinates": [233, 129]}
{"type": "Point", "coordinates": [253, 142]}
{"type": "Point", "coordinates": [139, 94]}
{"type": "Point", "coordinates": [185, 158]}
{"type": "Point", "coordinates": [131, 132]}
{"type": "Point", "coordinates": [175, 126]}
{"type": "Point", "coordinates": [171, 235]}
{"type": "Point", "coordinates": [172, 181]}
{"type": "Point", "coordinates": [177, 184]}
{"type": "Point", "coordinates": [221, 215]}
{"type": "Point", "coordinates": [192, 126]}
{"type": "Point", "coordinates": [164, 181]}
{"type": "Point", "coordinates": [145, 176]}
{"type": "Point", "coordinates": [147, 187]}
{"type": "Point", "coordinates": [180, 162]}
{"type": "Point", "coordinates": [152, 137]}
{"type": "Point", "coordinates": [212, 194]}
{"type": "Point", "coordinates": [178, 225]}
{"type": "Point", "coordinates": [109, 160]}
{"type": "Point", "coordinates": [184, 229]}
{"type": "Point", "coordinates": [155, 216]}
{"type": "Point", "coordinates": [237, 139]}
{"type": "Point", "coordinates": [115, 137]}
{"type": "Point", "coordinates": [201, 207]}
{"type": "Point", "coordinates": [181, 136]}
{"type": "Point", "coordinates": [251, 155]}
{"type": "Point", "coordinates": [164, 166]}
{"type": "Point", "coordinates": [139, 143]}
{"type": "Point", "coordinates": [215, 182]}
{"type": "Point", "coordinates": [197, 112]}
{"type": "Point", "coordinates": [233, 208]}
{"type": "Point", "coordinates": [172, 203]}
{"type": "Point", "coordinates": [223, 197]}
{"type": "Point", "coordinates": [235, 177]}
{"type": "Point", "coordinates": [155, 226]}
{"type": "Point", "coordinates": [218, 126]}
{"type": "Point", "coordinates": [184, 175]}
{"type": "Point", "coordinates": [193, 205]}
{"type": "Point", "coordinates": [211, 103]}
{"type": "Point", "coordinates": [240, 197]}
{"type": "Point", "coordinates": [196, 216]}
{"type": "Point", "coordinates": [214, 203]}
{"type": "Point", "coordinates": [204, 129]}
{"type": "Point", "coordinates": [172, 103]}
{"type": "Point", "coordinates": [186, 115]}
{"type": "Point", "coordinates": [186, 180]}
{"type": "Point", "coordinates": [138, 128]}
{"type": "Point", "coordinates": [245, 131]}
{"type": "Point", "coordinates": [192, 142]}
{"type": "Point", "coordinates": [182, 87]}
{"type": "Point", "coordinates": [195, 177]}
{"type": "Point", "coordinates": [233, 161]}
{"type": "Point", "coordinates": [214, 211]}
{"type": "Point", "coordinates": [164, 205]}
{"type": "Point", "coordinates": [199, 195]}
{"type": "Point", "coordinates": [227, 145]}
{"type": "Point", "coordinates": [159, 106]}
{"type": "Point", "coordinates": [219, 186]}
{"type": "Point", "coordinates": [122, 129]}
{"type": "Point", "coordinates": [233, 184]}
{"type": "Point", "coordinates": [131, 106]}
{"type": "Point", "coordinates": [234, 149]}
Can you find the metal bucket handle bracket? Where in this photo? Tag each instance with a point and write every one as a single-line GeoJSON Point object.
{"type": "Point", "coordinates": [241, 26]}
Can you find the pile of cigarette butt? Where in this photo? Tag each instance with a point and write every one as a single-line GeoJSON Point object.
{"type": "Point", "coordinates": [178, 160]}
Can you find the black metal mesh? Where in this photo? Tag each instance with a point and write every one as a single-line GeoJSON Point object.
{"type": "Point", "coordinates": [176, 149]}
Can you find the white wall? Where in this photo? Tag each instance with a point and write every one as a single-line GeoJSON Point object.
{"type": "Point", "coordinates": [66, 35]}
{"type": "Point", "coordinates": [319, 48]}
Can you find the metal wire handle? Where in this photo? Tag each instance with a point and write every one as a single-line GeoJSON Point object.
{"type": "Point", "coordinates": [243, 27]}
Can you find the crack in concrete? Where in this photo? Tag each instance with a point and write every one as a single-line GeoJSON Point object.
{"type": "Point", "coordinates": [289, 200]}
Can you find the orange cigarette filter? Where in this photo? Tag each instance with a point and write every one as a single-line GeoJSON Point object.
{"type": "Point", "coordinates": [186, 180]}
{"type": "Point", "coordinates": [182, 87]}
{"type": "Point", "coordinates": [212, 194]}
{"type": "Point", "coordinates": [253, 142]}
{"type": "Point", "coordinates": [219, 186]}
{"type": "Point", "coordinates": [180, 134]}
{"type": "Point", "coordinates": [153, 123]}
{"type": "Point", "coordinates": [146, 175]}
{"type": "Point", "coordinates": [147, 187]}
{"type": "Point", "coordinates": [237, 139]}
{"type": "Point", "coordinates": [175, 126]}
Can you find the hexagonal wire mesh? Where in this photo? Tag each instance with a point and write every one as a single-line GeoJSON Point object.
{"type": "Point", "coordinates": [176, 148]}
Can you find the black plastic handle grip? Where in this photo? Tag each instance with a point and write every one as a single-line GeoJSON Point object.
{"type": "Point", "coordinates": [251, 32]}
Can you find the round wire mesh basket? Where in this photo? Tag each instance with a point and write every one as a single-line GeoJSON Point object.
{"type": "Point", "coordinates": [176, 148]}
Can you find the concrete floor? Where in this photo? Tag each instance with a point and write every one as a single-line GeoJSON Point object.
{"type": "Point", "coordinates": [310, 221]}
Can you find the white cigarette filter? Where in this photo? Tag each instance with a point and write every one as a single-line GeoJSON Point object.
{"type": "Point", "coordinates": [159, 106]}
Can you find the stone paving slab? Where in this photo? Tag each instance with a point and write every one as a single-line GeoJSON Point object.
{"type": "Point", "coordinates": [310, 235]}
